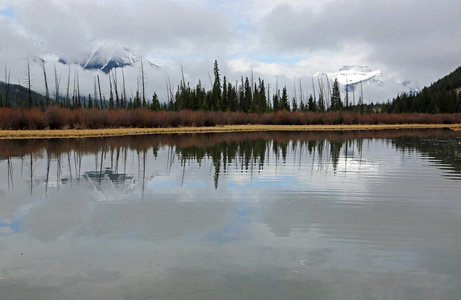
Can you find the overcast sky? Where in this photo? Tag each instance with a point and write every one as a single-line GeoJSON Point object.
{"type": "Point", "coordinates": [416, 40]}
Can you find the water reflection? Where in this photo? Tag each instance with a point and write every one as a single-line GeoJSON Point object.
{"type": "Point", "coordinates": [244, 152]}
{"type": "Point", "coordinates": [232, 216]}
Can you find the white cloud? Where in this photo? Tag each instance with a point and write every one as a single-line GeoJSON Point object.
{"type": "Point", "coordinates": [418, 40]}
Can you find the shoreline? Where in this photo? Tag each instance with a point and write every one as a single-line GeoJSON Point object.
{"type": "Point", "coordinates": [88, 133]}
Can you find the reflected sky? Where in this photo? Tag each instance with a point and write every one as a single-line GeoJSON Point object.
{"type": "Point", "coordinates": [232, 216]}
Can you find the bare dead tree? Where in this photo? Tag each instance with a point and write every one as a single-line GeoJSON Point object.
{"type": "Point", "coordinates": [321, 94]}
{"type": "Point", "coordinates": [47, 92]}
{"type": "Point", "coordinates": [313, 88]}
{"type": "Point", "coordinates": [111, 94]}
{"type": "Point", "coordinates": [268, 100]}
{"type": "Point", "coordinates": [74, 91]}
{"type": "Point", "coordinates": [329, 92]}
{"type": "Point", "coordinates": [29, 83]}
{"type": "Point", "coordinates": [68, 87]}
{"type": "Point", "coordinates": [252, 82]}
{"type": "Point", "coordinates": [347, 94]}
{"type": "Point", "coordinates": [170, 89]}
{"type": "Point", "coordinates": [95, 95]}
{"type": "Point", "coordinates": [143, 84]}
{"type": "Point", "coordinates": [124, 90]}
{"type": "Point", "coordinates": [7, 81]}
{"type": "Point", "coordinates": [301, 91]}
{"type": "Point", "coordinates": [78, 90]}
{"type": "Point", "coordinates": [211, 81]}
{"type": "Point", "coordinates": [57, 84]}
{"type": "Point", "coordinates": [294, 90]}
{"type": "Point", "coordinates": [277, 92]}
{"type": "Point", "coordinates": [117, 100]}
{"type": "Point", "coordinates": [100, 94]}
{"type": "Point", "coordinates": [167, 91]}
{"type": "Point", "coordinates": [183, 87]}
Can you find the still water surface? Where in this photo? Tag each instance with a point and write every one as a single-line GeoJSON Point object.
{"type": "Point", "coordinates": [232, 216]}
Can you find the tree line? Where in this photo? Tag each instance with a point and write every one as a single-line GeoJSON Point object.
{"type": "Point", "coordinates": [247, 95]}
{"type": "Point", "coordinates": [442, 96]}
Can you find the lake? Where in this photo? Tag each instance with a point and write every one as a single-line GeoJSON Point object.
{"type": "Point", "coordinates": [351, 215]}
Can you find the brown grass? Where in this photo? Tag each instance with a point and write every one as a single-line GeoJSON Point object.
{"type": "Point", "coordinates": [84, 133]}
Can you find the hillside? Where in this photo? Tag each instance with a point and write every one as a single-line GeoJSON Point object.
{"type": "Point", "coordinates": [17, 93]}
{"type": "Point", "coordinates": [441, 96]}
{"type": "Point", "coordinates": [448, 83]}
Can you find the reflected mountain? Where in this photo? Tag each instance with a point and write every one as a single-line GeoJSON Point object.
{"type": "Point", "coordinates": [68, 161]}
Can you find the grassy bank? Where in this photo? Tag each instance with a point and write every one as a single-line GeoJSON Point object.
{"type": "Point", "coordinates": [107, 132]}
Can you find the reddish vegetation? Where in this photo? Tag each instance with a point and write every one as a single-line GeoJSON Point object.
{"type": "Point", "coordinates": [60, 118]}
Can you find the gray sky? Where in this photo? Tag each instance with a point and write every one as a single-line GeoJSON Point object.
{"type": "Point", "coordinates": [416, 40]}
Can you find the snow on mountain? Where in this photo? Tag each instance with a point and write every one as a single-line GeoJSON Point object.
{"type": "Point", "coordinates": [101, 55]}
{"type": "Point", "coordinates": [100, 59]}
{"type": "Point", "coordinates": [44, 53]}
{"type": "Point", "coordinates": [377, 85]}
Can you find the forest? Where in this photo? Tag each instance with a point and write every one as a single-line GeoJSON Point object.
{"type": "Point", "coordinates": [246, 101]}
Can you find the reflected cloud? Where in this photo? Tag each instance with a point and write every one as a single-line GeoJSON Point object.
{"type": "Point", "coordinates": [228, 211]}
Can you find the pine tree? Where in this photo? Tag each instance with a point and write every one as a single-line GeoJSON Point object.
{"type": "Point", "coordinates": [311, 105]}
{"type": "Point", "coordinates": [217, 97]}
{"type": "Point", "coordinates": [284, 101]}
{"type": "Point", "coordinates": [294, 105]}
{"type": "Point", "coordinates": [321, 104]}
{"type": "Point", "coordinates": [136, 101]}
{"type": "Point", "coordinates": [90, 102]}
{"type": "Point", "coordinates": [262, 101]}
{"type": "Point", "coordinates": [155, 105]}
{"type": "Point", "coordinates": [336, 103]}
{"type": "Point", "coordinates": [225, 95]}
{"type": "Point", "coordinates": [247, 98]}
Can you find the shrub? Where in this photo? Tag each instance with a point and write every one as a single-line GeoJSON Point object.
{"type": "Point", "coordinates": [57, 117]}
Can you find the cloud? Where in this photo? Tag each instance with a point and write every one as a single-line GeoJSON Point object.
{"type": "Point", "coordinates": [407, 36]}
{"type": "Point", "coordinates": [163, 27]}
{"type": "Point", "coordinates": [416, 40]}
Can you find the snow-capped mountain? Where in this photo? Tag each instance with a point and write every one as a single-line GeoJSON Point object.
{"type": "Point", "coordinates": [101, 55]}
{"type": "Point", "coordinates": [353, 75]}
{"type": "Point", "coordinates": [82, 70]}
{"type": "Point", "coordinates": [377, 85]}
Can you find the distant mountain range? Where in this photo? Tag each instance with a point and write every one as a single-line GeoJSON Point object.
{"type": "Point", "coordinates": [101, 55]}
{"type": "Point", "coordinates": [376, 81]}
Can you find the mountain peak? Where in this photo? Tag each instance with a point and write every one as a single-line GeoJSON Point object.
{"type": "Point", "coordinates": [101, 55]}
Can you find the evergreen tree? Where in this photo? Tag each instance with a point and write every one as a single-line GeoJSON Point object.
{"type": "Point", "coordinates": [137, 101]}
{"type": "Point", "coordinates": [90, 102]}
{"type": "Point", "coordinates": [232, 97]}
{"type": "Point", "coordinates": [336, 103]}
{"type": "Point", "coordinates": [155, 105]}
{"type": "Point", "coordinates": [284, 101]}
{"type": "Point", "coordinates": [262, 101]}
{"type": "Point", "coordinates": [225, 95]}
{"type": "Point", "coordinates": [217, 97]}
{"type": "Point", "coordinates": [346, 99]}
{"type": "Point", "coordinates": [111, 102]}
{"type": "Point", "coordinates": [459, 103]}
{"type": "Point", "coordinates": [294, 105]}
{"type": "Point", "coordinates": [275, 101]}
{"type": "Point", "coordinates": [248, 97]}
{"type": "Point", "coordinates": [321, 104]}
{"type": "Point", "coordinates": [311, 105]}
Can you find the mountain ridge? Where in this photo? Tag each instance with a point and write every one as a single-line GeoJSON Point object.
{"type": "Point", "coordinates": [101, 55]}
